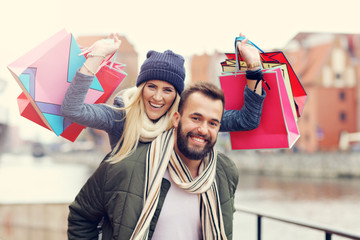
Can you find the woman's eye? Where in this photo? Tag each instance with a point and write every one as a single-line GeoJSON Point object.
{"type": "Point", "coordinates": [169, 91]}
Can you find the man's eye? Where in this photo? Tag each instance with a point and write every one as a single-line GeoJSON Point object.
{"type": "Point", "coordinates": [214, 124]}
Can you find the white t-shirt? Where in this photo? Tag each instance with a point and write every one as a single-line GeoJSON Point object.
{"type": "Point", "coordinates": [180, 215]}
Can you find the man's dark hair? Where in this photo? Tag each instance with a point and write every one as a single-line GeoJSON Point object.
{"type": "Point", "coordinates": [206, 88]}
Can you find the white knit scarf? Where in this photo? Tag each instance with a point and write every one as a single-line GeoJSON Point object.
{"type": "Point", "coordinates": [149, 130]}
{"type": "Point", "coordinates": [161, 155]}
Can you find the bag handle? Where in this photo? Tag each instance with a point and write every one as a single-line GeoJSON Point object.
{"type": "Point", "coordinates": [238, 40]}
{"type": "Point", "coordinates": [242, 38]}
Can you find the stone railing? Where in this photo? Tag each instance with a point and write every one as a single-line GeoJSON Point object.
{"type": "Point", "coordinates": [298, 164]}
{"type": "Point", "coordinates": [33, 221]}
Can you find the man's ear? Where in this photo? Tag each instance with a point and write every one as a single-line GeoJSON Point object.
{"type": "Point", "coordinates": [176, 119]}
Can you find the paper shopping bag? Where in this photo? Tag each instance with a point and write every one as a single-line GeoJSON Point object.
{"type": "Point", "coordinates": [230, 66]}
{"type": "Point", "coordinates": [278, 128]}
{"type": "Point", "coordinates": [269, 60]}
{"type": "Point", "coordinates": [110, 77]}
{"type": "Point", "coordinates": [45, 73]}
{"type": "Point", "coordinates": [27, 110]}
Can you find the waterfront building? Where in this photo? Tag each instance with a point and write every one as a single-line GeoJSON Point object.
{"type": "Point", "coordinates": [328, 67]}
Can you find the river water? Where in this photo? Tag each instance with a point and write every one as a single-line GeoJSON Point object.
{"type": "Point", "coordinates": [333, 203]}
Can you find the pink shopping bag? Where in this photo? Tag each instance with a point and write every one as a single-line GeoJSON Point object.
{"type": "Point", "coordinates": [45, 73]}
{"type": "Point", "coordinates": [278, 128]}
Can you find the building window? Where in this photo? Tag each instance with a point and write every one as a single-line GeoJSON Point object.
{"type": "Point", "coordinates": [342, 116]}
{"type": "Point", "coordinates": [327, 77]}
{"type": "Point", "coordinates": [342, 96]}
{"type": "Point", "coordinates": [338, 76]}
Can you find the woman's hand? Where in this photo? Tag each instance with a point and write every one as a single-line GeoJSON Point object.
{"type": "Point", "coordinates": [100, 50]}
{"type": "Point", "coordinates": [105, 47]}
{"type": "Point", "coordinates": [250, 54]}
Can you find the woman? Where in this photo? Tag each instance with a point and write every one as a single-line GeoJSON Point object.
{"type": "Point", "coordinates": [143, 112]}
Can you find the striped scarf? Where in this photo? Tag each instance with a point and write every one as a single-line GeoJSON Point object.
{"type": "Point", "coordinates": [161, 155]}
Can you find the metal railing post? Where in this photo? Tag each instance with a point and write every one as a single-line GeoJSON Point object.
{"type": "Point", "coordinates": [327, 236]}
{"type": "Point", "coordinates": [259, 227]}
{"type": "Point", "coordinates": [328, 231]}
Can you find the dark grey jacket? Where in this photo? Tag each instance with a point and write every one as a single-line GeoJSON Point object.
{"type": "Point", "coordinates": [115, 192]}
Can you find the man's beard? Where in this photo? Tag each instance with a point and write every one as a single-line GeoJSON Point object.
{"type": "Point", "coordinates": [193, 154]}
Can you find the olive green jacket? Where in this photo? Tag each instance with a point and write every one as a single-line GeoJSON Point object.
{"type": "Point", "coordinates": [115, 192]}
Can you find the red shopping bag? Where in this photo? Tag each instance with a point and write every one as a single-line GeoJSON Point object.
{"type": "Point", "coordinates": [27, 110]}
{"type": "Point", "coordinates": [110, 77]}
{"type": "Point", "coordinates": [278, 128]}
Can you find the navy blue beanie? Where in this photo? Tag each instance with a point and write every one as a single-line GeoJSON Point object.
{"type": "Point", "coordinates": [167, 66]}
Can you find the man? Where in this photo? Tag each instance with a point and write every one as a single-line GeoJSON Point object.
{"type": "Point", "coordinates": [176, 187]}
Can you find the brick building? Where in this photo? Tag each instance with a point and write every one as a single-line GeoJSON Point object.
{"type": "Point", "coordinates": [328, 67]}
{"type": "Point", "coordinates": [206, 67]}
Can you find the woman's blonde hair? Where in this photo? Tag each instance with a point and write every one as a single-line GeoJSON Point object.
{"type": "Point", "coordinates": [130, 137]}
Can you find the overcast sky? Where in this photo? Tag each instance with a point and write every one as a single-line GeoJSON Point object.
{"type": "Point", "coordinates": [187, 27]}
